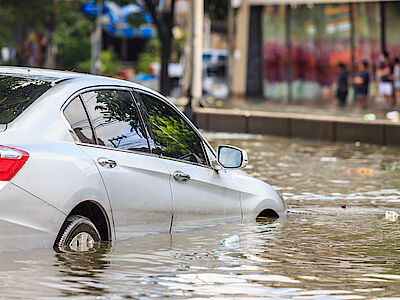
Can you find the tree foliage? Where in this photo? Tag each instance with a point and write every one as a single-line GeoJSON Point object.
{"type": "Point", "coordinates": [163, 20]}
{"type": "Point", "coordinates": [217, 10]}
{"type": "Point", "coordinates": [6, 31]}
{"type": "Point", "coordinates": [110, 64]}
{"type": "Point", "coordinates": [58, 21]}
{"type": "Point", "coordinates": [20, 18]}
{"type": "Point", "coordinates": [148, 56]}
{"type": "Point", "coordinates": [72, 36]}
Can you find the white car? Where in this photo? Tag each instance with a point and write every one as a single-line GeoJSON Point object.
{"type": "Point", "coordinates": [87, 158]}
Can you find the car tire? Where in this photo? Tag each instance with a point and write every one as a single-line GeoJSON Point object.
{"type": "Point", "coordinates": [78, 234]}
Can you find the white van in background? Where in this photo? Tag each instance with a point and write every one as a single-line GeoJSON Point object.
{"type": "Point", "coordinates": [212, 56]}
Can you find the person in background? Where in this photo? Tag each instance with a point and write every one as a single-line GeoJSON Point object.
{"type": "Point", "coordinates": [396, 80]}
{"type": "Point", "coordinates": [385, 80]}
{"type": "Point", "coordinates": [361, 85]}
{"type": "Point", "coordinates": [342, 85]}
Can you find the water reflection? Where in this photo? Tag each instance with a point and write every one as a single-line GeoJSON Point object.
{"type": "Point", "coordinates": [335, 243]}
{"type": "Point", "coordinates": [81, 274]}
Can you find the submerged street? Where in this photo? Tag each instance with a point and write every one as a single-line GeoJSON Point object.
{"type": "Point", "coordinates": [335, 240]}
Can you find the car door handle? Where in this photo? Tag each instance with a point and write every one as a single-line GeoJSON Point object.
{"type": "Point", "coordinates": [180, 176]}
{"type": "Point", "coordinates": [107, 163]}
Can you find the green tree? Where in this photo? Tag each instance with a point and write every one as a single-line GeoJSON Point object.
{"type": "Point", "coordinates": [163, 20]}
{"type": "Point", "coordinates": [110, 64]}
{"type": "Point", "coordinates": [55, 21]}
{"type": "Point", "coordinates": [72, 36]}
{"type": "Point", "coordinates": [6, 31]}
{"type": "Point", "coordinates": [148, 56]}
{"type": "Point", "coordinates": [217, 10]}
{"type": "Point", "coordinates": [20, 18]}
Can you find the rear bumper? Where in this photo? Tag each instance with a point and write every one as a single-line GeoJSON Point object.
{"type": "Point", "coordinates": [26, 221]}
{"type": "Point", "coordinates": [20, 237]}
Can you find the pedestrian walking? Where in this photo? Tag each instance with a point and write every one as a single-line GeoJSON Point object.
{"type": "Point", "coordinates": [342, 85]}
{"type": "Point", "coordinates": [396, 80]}
{"type": "Point", "coordinates": [361, 85]}
{"type": "Point", "coordinates": [384, 74]}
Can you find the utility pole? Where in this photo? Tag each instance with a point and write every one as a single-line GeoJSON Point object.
{"type": "Point", "coordinates": [238, 71]}
{"type": "Point", "coordinates": [289, 67]}
{"type": "Point", "coordinates": [96, 41]}
{"type": "Point", "coordinates": [187, 76]}
{"type": "Point", "coordinates": [197, 50]}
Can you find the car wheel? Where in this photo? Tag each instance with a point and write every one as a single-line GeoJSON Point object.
{"type": "Point", "coordinates": [78, 234]}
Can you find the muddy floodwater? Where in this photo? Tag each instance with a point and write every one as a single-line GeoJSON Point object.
{"type": "Point", "coordinates": [335, 242]}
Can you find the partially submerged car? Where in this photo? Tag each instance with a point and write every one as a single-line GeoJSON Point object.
{"type": "Point", "coordinates": [86, 158]}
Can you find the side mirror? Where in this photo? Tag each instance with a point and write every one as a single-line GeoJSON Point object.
{"type": "Point", "coordinates": [231, 157]}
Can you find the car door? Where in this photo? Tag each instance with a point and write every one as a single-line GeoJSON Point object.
{"type": "Point", "coordinates": [201, 195]}
{"type": "Point", "coordinates": [137, 183]}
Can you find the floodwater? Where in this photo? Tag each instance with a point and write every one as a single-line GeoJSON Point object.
{"type": "Point", "coordinates": [335, 242]}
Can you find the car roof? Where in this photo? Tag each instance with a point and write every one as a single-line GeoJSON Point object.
{"type": "Point", "coordinates": [56, 76]}
{"type": "Point", "coordinates": [36, 73]}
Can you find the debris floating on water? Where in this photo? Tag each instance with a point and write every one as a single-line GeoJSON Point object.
{"type": "Point", "coordinates": [230, 241]}
{"type": "Point", "coordinates": [297, 212]}
{"type": "Point", "coordinates": [332, 159]}
{"type": "Point", "coordinates": [391, 215]}
{"type": "Point", "coordinates": [364, 171]}
{"type": "Point", "coordinates": [390, 168]}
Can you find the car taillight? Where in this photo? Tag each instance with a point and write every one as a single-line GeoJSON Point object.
{"type": "Point", "coordinates": [11, 161]}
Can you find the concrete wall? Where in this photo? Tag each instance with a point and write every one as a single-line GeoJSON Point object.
{"type": "Point", "coordinates": [334, 129]}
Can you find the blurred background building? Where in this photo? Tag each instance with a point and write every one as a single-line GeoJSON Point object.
{"type": "Point", "coordinates": [289, 49]}
{"type": "Point", "coordinates": [284, 50]}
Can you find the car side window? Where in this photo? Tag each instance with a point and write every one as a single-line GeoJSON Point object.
{"type": "Point", "coordinates": [76, 116]}
{"type": "Point", "coordinates": [116, 120]}
{"type": "Point", "coordinates": [172, 135]}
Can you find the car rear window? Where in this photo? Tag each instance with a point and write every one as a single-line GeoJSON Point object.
{"type": "Point", "coordinates": [17, 93]}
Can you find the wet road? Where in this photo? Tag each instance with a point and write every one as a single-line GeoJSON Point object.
{"type": "Point", "coordinates": [335, 243]}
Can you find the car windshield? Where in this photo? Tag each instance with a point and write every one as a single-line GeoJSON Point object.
{"type": "Point", "coordinates": [218, 70]}
{"type": "Point", "coordinates": [17, 93]}
{"type": "Point", "coordinates": [206, 57]}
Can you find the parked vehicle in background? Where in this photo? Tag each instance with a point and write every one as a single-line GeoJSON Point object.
{"type": "Point", "coordinates": [213, 56]}
{"type": "Point", "coordinates": [87, 158]}
{"type": "Point", "coordinates": [216, 84]}
{"type": "Point", "coordinates": [176, 70]}
{"type": "Point", "coordinates": [215, 81]}
{"type": "Point", "coordinates": [175, 73]}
